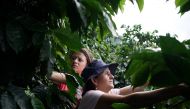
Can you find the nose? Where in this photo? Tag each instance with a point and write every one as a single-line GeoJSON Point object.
{"type": "Point", "coordinates": [111, 76]}
{"type": "Point", "coordinates": [75, 60]}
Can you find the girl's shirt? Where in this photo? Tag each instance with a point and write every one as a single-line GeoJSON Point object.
{"type": "Point", "coordinates": [63, 87]}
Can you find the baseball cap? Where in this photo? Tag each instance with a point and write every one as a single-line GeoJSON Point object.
{"type": "Point", "coordinates": [96, 67]}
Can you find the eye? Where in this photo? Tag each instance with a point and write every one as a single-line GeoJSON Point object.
{"type": "Point", "coordinates": [73, 58]}
{"type": "Point", "coordinates": [108, 72]}
{"type": "Point", "coordinates": [81, 60]}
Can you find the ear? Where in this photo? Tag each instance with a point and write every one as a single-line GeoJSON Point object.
{"type": "Point", "coordinates": [94, 81]}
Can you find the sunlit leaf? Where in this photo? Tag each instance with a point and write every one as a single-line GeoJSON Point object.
{"type": "Point", "coordinates": [184, 7]}
{"type": "Point", "coordinates": [140, 4]}
{"type": "Point", "coordinates": [81, 10]}
{"type": "Point", "coordinates": [122, 5]}
{"type": "Point", "coordinates": [180, 2]}
{"type": "Point", "coordinates": [110, 24]}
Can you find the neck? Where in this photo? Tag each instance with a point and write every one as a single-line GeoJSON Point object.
{"type": "Point", "coordinates": [103, 90]}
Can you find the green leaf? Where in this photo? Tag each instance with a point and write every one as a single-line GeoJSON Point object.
{"type": "Point", "coordinates": [32, 24]}
{"type": "Point", "coordinates": [7, 101]}
{"type": "Point", "coordinates": [110, 24]}
{"type": "Point", "coordinates": [171, 45]}
{"type": "Point", "coordinates": [139, 59]}
{"type": "Point", "coordinates": [93, 5]}
{"type": "Point", "coordinates": [19, 95]}
{"type": "Point", "coordinates": [162, 76]}
{"type": "Point", "coordinates": [141, 75]}
{"type": "Point", "coordinates": [115, 5]}
{"type": "Point", "coordinates": [184, 6]}
{"type": "Point", "coordinates": [71, 40]}
{"type": "Point", "coordinates": [187, 42]}
{"type": "Point", "coordinates": [81, 10]}
{"type": "Point", "coordinates": [45, 50]}
{"type": "Point", "coordinates": [16, 37]}
{"type": "Point", "coordinates": [122, 5]}
{"type": "Point", "coordinates": [177, 57]}
{"type": "Point", "coordinates": [132, 67]}
{"type": "Point", "coordinates": [36, 103]}
{"type": "Point", "coordinates": [180, 2]}
{"type": "Point", "coordinates": [179, 65]}
{"type": "Point", "coordinates": [38, 39]}
{"type": "Point", "coordinates": [121, 106]}
{"type": "Point", "coordinates": [72, 83]}
{"type": "Point", "coordinates": [140, 4]}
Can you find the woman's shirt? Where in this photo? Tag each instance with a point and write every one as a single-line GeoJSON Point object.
{"type": "Point", "coordinates": [90, 99]}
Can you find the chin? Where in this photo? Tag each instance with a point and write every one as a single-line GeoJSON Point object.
{"type": "Point", "coordinates": [111, 86]}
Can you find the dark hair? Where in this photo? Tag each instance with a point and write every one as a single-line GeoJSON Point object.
{"type": "Point", "coordinates": [89, 85]}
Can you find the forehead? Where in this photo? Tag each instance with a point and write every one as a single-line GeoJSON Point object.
{"type": "Point", "coordinates": [78, 54]}
{"type": "Point", "coordinates": [104, 71]}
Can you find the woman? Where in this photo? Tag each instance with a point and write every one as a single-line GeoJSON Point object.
{"type": "Point", "coordinates": [98, 92]}
{"type": "Point", "coordinates": [79, 60]}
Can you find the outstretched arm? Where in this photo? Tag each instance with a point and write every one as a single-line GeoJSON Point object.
{"type": "Point", "coordinates": [130, 89]}
{"type": "Point", "coordinates": [145, 98]}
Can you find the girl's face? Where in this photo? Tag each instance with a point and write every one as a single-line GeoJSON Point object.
{"type": "Point", "coordinates": [78, 62]}
{"type": "Point", "coordinates": [104, 81]}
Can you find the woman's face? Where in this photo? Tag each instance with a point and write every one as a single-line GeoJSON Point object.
{"type": "Point", "coordinates": [104, 81]}
{"type": "Point", "coordinates": [78, 62]}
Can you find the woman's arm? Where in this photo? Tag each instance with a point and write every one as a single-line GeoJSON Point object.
{"type": "Point", "coordinates": [57, 77]}
{"type": "Point", "coordinates": [143, 99]}
{"type": "Point", "coordinates": [146, 98]}
{"type": "Point", "coordinates": [129, 89]}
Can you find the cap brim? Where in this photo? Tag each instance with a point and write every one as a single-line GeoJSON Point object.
{"type": "Point", "coordinates": [113, 67]}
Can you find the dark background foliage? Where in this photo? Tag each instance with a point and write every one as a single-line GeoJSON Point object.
{"type": "Point", "coordinates": [36, 36]}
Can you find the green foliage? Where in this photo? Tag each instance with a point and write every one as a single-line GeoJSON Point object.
{"type": "Point", "coordinates": [183, 5]}
{"type": "Point", "coordinates": [140, 4]}
{"type": "Point", "coordinates": [37, 35]}
{"type": "Point", "coordinates": [169, 66]}
{"type": "Point", "coordinates": [177, 57]}
{"type": "Point", "coordinates": [36, 103]}
{"type": "Point", "coordinates": [7, 101]}
{"type": "Point", "coordinates": [121, 106]}
{"type": "Point", "coordinates": [119, 49]}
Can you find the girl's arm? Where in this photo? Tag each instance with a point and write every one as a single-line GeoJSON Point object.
{"type": "Point", "coordinates": [57, 77]}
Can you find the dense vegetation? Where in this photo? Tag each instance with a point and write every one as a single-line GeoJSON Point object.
{"type": "Point", "coordinates": [36, 35]}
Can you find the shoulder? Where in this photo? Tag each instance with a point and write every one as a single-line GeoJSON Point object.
{"type": "Point", "coordinates": [91, 97]}
{"type": "Point", "coordinates": [94, 93]}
